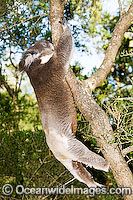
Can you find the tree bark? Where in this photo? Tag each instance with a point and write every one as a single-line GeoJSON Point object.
{"type": "Point", "coordinates": [89, 108]}
{"type": "Point", "coordinates": [55, 15]}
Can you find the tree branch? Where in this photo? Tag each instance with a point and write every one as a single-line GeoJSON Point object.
{"type": "Point", "coordinates": [127, 150]}
{"type": "Point", "coordinates": [10, 57]}
{"type": "Point", "coordinates": [5, 84]}
{"type": "Point", "coordinates": [98, 77]}
{"type": "Point", "coordinates": [126, 54]}
{"type": "Point", "coordinates": [4, 29]}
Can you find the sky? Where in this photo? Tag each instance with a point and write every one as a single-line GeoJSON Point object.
{"type": "Point", "coordinates": [95, 60]}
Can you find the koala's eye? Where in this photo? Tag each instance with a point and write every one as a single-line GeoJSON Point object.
{"type": "Point", "coordinates": [45, 45]}
{"type": "Point", "coordinates": [32, 52]}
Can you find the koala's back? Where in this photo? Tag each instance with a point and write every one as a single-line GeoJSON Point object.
{"type": "Point", "coordinates": [54, 98]}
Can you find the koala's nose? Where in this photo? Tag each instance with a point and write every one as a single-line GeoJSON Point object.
{"type": "Point", "coordinates": [52, 47]}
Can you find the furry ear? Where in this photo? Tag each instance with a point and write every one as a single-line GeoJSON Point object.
{"type": "Point", "coordinates": [28, 59]}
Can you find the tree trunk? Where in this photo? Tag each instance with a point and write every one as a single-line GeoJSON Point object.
{"type": "Point", "coordinates": [90, 109]}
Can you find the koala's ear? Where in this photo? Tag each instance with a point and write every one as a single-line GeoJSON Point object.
{"type": "Point", "coordinates": [28, 58]}
{"type": "Point", "coordinates": [25, 62]}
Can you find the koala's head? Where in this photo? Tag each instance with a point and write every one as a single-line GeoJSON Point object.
{"type": "Point", "coordinates": [40, 53]}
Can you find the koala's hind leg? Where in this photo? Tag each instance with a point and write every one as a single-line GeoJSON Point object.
{"type": "Point", "coordinates": [80, 173]}
{"type": "Point", "coordinates": [79, 152]}
{"type": "Point", "coordinates": [85, 175]}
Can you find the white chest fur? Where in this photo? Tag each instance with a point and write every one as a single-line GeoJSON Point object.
{"type": "Point", "coordinates": [45, 59]}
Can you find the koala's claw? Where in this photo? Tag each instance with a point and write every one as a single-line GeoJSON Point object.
{"type": "Point", "coordinates": [63, 21]}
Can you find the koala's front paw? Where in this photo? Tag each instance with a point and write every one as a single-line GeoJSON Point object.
{"type": "Point", "coordinates": [63, 22]}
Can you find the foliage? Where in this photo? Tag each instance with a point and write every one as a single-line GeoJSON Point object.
{"type": "Point", "coordinates": [119, 80]}
{"type": "Point", "coordinates": [120, 113]}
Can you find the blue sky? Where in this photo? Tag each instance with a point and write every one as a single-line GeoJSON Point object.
{"type": "Point", "coordinates": [95, 60]}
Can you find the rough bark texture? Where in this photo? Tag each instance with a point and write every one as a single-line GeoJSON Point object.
{"type": "Point", "coordinates": [90, 109]}
{"type": "Point", "coordinates": [55, 15]}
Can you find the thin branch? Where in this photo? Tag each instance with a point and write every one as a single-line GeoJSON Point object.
{"type": "Point", "coordinates": [8, 88]}
{"type": "Point", "coordinates": [22, 22]}
{"type": "Point", "coordinates": [98, 77]}
{"type": "Point", "coordinates": [129, 160]}
{"type": "Point", "coordinates": [125, 98]}
{"type": "Point", "coordinates": [11, 59]}
{"type": "Point", "coordinates": [21, 78]}
{"type": "Point", "coordinates": [69, 182]}
{"type": "Point", "coordinates": [126, 54]}
{"type": "Point", "coordinates": [127, 150]}
{"type": "Point", "coordinates": [57, 178]}
{"type": "Point", "coordinates": [33, 175]}
{"type": "Point", "coordinates": [53, 182]}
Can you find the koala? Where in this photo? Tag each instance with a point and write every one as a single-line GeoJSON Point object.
{"type": "Point", "coordinates": [46, 67]}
